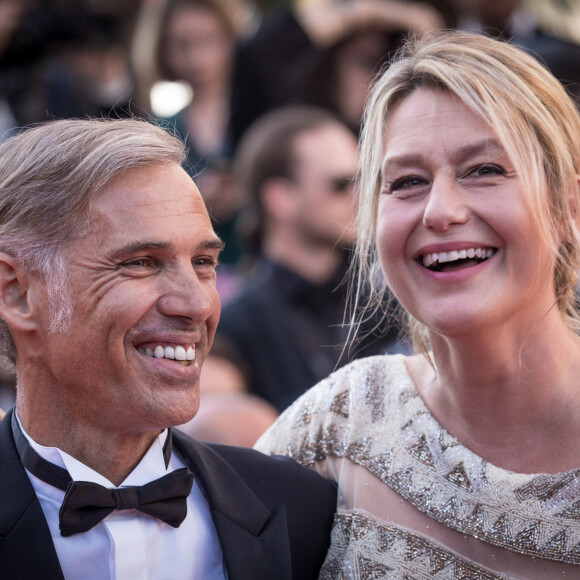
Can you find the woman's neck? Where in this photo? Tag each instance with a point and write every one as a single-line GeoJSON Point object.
{"type": "Point", "coordinates": [514, 400]}
{"type": "Point", "coordinates": [207, 120]}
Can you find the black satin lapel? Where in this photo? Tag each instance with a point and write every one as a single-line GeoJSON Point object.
{"type": "Point", "coordinates": [249, 557]}
{"type": "Point", "coordinates": [254, 540]}
{"type": "Point", "coordinates": [26, 548]}
{"type": "Point", "coordinates": [223, 487]}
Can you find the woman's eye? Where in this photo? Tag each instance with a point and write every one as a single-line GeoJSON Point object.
{"type": "Point", "coordinates": [407, 183]}
{"type": "Point", "coordinates": [485, 170]}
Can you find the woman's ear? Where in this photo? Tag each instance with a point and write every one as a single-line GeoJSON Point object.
{"type": "Point", "coordinates": [15, 294]}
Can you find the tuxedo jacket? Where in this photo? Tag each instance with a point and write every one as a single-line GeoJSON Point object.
{"type": "Point", "coordinates": [273, 517]}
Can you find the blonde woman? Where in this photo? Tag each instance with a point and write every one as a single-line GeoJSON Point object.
{"type": "Point", "coordinates": [462, 461]}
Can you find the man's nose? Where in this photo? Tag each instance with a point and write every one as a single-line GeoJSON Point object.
{"type": "Point", "coordinates": [446, 205]}
{"type": "Point", "coordinates": [186, 295]}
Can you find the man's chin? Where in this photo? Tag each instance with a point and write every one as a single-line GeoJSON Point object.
{"type": "Point", "coordinates": [171, 409]}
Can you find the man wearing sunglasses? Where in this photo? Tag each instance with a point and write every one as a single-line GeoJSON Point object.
{"type": "Point", "coordinates": [296, 166]}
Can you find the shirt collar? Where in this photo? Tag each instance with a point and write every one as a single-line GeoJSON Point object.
{"type": "Point", "coordinates": [151, 466]}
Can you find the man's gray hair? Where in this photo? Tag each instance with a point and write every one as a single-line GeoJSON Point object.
{"type": "Point", "coordinates": [50, 174]}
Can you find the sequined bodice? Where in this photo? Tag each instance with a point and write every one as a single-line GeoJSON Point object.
{"type": "Point", "coordinates": [413, 501]}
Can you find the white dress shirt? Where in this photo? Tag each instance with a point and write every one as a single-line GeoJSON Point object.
{"type": "Point", "coordinates": [129, 545]}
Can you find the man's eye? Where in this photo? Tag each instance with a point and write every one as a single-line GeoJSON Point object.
{"type": "Point", "coordinates": [138, 263]}
{"type": "Point", "coordinates": [206, 261]}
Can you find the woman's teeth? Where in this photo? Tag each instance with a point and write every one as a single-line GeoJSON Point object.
{"type": "Point", "coordinates": [454, 255]}
{"type": "Point", "coordinates": [178, 353]}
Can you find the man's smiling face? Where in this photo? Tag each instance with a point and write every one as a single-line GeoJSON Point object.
{"type": "Point", "coordinates": [143, 286]}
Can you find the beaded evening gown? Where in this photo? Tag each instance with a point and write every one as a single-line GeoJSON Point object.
{"type": "Point", "coordinates": [413, 502]}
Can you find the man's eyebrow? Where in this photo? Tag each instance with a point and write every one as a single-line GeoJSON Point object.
{"type": "Point", "coordinates": [213, 244]}
{"type": "Point", "coordinates": [148, 245]}
{"type": "Point", "coordinates": [137, 247]}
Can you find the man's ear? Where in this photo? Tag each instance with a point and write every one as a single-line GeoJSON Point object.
{"type": "Point", "coordinates": [15, 293]}
{"type": "Point", "coordinates": [278, 198]}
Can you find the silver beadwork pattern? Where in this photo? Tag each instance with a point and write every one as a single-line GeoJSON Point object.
{"type": "Point", "coordinates": [385, 552]}
{"type": "Point", "coordinates": [370, 413]}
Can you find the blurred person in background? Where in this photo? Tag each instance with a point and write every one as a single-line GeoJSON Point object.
{"type": "Point", "coordinates": [196, 45]}
{"type": "Point", "coordinates": [228, 414]}
{"type": "Point", "coordinates": [296, 164]}
{"type": "Point", "coordinates": [88, 73]}
{"type": "Point", "coordinates": [546, 29]}
{"type": "Point", "coordinates": [192, 41]}
{"type": "Point", "coordinates": [230, 419]}
{"type": "Point", "coordinates": [503, 19]}
{"type": "Point", "coordinates": [321, 53]}
{"type": "Point", "coordinates": [68, 59]}
{"type": "Point", "coordinates": [223, 371]}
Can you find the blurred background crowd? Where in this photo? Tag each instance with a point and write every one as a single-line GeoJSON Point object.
{"type": "Point", "coordinates": [268, 95]}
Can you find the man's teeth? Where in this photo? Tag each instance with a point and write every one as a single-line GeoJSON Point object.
{"type": "Point", "coordinates": [174, 353]}
{"type": "Point", "coordinates": [452, 256]}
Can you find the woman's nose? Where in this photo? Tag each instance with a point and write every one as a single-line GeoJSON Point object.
{"type": "Point", "coordinates": [446, 205]}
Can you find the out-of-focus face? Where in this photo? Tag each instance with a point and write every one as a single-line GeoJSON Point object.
{"type": "Point", "coordinates": [456, 238]}
{"type": "Point", "coordinates": [143, 285]}
{"type": "Point", "coordinates": [326, 160]}
{"type": "Point", "coordinates": [11, 13]}
{"type": "Point", "coordinates": [356, 65]}
{"type": "Point", "coordinates": [199, 48]}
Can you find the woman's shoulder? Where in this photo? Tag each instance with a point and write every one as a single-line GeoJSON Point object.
{"type": "Point", "coordinates": [364, 371]}
{"type": "Point", "coordinates": [356, 379]}
{"type": "Point", "coordinates": [356, 395]}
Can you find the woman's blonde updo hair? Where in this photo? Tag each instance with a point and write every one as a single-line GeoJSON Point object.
{"type": "Point", "coordinates": [532, 116]}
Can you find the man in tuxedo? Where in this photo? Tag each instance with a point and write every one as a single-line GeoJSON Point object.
{"type": "Point", "coordinates": [108, 307]}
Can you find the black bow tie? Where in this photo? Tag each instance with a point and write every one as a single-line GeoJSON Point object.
{"type": "Point", "coordinates": [85, 504]}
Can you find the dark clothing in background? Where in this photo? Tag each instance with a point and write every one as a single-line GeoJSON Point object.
{"type": "Point", "coordinates": [270, 70]}
{"type": "Point", "coordinates": [196, 162]}
{"type": "Point", "coordinates": [562, 58]}
{"type": "Point", "coordinates": [289, 333]}
{"type": "Point", "coordinates": [280, 65]}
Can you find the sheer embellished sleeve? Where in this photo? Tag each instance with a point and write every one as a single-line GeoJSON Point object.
{"type": "Point", "coordinates": [300, 430]}
{"type": "Point", "coordinates": [322, 423]}
{"type": "Point", "coordinates": [412, 500]}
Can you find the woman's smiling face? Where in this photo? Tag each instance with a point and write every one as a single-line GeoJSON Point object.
{"type": "Point", "coordinates": [456, 238]}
